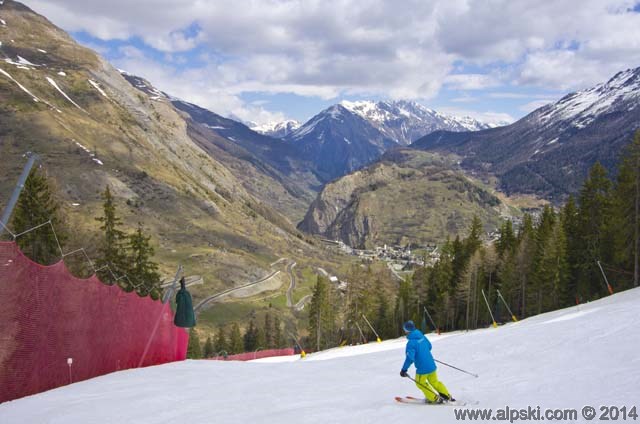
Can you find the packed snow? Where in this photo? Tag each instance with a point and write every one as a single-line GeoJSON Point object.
{"type": "Point", "coordinates": [583, 355]}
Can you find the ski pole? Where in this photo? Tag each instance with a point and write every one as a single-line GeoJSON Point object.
{"type": "Point", "coordinates": [428, 387]}
{"type": "Point", "coordinates": [456, 368]}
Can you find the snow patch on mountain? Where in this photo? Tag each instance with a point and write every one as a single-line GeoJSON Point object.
{"type": "Point", "coordinates": [97, 87]}
{"type": "Point", "coordinates": [406, 121]}
{"type": "Point", "coordinates": [55, 85]}
{"type": "Point", "coordinates": [5, 73]}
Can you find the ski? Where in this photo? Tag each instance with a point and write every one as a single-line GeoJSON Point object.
{"type": "Point", "coordinates": [409, 400]}
{"type": "Point", "coordinates": [418, 401]}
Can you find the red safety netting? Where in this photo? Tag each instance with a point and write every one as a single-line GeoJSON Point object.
{"type": "Point", "coordinates": [47, 316]}
{"type": "Point", "coordinates": [249, 356]}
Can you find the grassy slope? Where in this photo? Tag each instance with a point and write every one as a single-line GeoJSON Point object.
{"type": "Point", "coordinates": [410, 197]}
{"type": "Point", "coordinates": [159, 176]}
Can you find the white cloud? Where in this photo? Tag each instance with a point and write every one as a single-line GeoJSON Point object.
{"type": "Point", "coordinates": [531, 106]}
{"type": "Point", "coordinates": [490, 117]}
{"type": "Point", "coordinates": [367, 47]}
{"type": "Point", "coordinates": [470, 81]}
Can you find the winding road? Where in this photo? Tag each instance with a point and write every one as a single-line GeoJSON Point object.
{"type": "Point", "coordinates": [217, 295]}
{"type": "Point", "coordinates": [292, 284]}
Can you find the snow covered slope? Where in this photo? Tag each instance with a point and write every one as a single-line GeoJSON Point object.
{"type": "Point", "coordinates": [585, 355]}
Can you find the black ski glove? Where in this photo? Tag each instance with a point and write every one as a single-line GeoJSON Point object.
{"type": "Point", "coordinates": [403, 373]}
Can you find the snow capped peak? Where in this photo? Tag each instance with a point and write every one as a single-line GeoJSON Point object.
{"type": "Point", "coordinates": [412, 114]}
{"type": "Point", "coordinates": [579, 109]}
{"type": "Point", "coordinates": [277, 129]}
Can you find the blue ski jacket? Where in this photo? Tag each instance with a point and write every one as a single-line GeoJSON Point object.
{"type": "Point", "coordinates": [419, 351]}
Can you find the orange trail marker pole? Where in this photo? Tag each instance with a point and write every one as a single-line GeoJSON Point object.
{"type": "Point", "coordinates": [372, 329]}
{"type": "Point", "coordinates": [605, 278]}
{"type": "Point", "coordinates": [489, 308]}
{"type": "Point", "coordinates": [431, 319]}
{"type": "Point", "coordinates": [513, 317]}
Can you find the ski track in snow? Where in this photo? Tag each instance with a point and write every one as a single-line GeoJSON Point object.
{"type": "Point", "coordinates": [583, 355]}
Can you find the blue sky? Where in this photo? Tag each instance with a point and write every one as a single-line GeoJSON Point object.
{"type": "Point", "coordinates": [265, 60]}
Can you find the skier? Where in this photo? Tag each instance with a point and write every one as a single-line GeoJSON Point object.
{"type": "Point", "coordinates": [419, 352]}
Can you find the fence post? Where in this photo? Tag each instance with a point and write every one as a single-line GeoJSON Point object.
{"type": "Point", "coordinates": [6, 214]}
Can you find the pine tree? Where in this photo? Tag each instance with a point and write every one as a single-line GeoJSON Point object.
{"type": "Point", "coordinates": [626, 210]}
{"type": "Point", "coordinates": [278, 338]}
{"type": "Point", "coordinates": [404, 300]}
{"type": "Point", "coordinates": [321, 315]}
{"type": "Point", "coordinates": [268, 331]}
{"type": "Point", "coordinates": [524, 261]}
{"type": "Point", "coordinates": [36, 206]}
{"type": "Point", "coordinates": [250, 338]}
{"type": "Point", "coordinates": [383, 321]}
{"type": "Point", "coordinates": [359, 301]}
{"type": "Point", "coordinates": [571, 225]}
{"type": "Point", "coordinates": [221, 342]}
{"type": "Point", "coordinates": [142, 270]}
{"type": "Point", "coordinates": [506, 239]}
{"type": "Point", "coordinates": [112, 252]}
{"type": "Point", "coordinates": [208, 350]}
{"type": "Point", "coordinates": [474, 239]}
{"type": "Point", "coordinates": [261, 340]}
{"type": "Point", "coordinates": [236, 344]}
{"type": "Point", "coordinates": [194, 350]}
{"type": "Point", "coordinates": [550, 269]}
{"type": "Point", "coordinates": [595, 241]}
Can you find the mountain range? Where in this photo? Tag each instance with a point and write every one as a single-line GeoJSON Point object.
{"type": "Point", "coordinates": [549, 152]}
{"type": "Point", "coordinates": [546, 154]}
{"type": "Point", "coordinates": [349, 135]}
{"type": "Point", "coordinates": [222, 199]}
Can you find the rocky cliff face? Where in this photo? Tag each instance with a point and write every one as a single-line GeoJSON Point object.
{"type": "Point", "coordinates": [407, 197]}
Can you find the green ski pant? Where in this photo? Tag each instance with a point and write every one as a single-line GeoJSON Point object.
{"type": "Point", "coordinates": [429, 382]}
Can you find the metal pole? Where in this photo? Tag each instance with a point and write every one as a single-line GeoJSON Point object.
{"type": "Point", "coordinates": [605, 278]}
{"type": "Point", "coordinates": [364, 340]}
{"type": "Point", "coordinates": [8, 210]}
{"type": "Point", "coordinates": [431, 319]}
{"type": "Point", "coordinates": [302, 352]}
{"type": "Point", "coordinates": [489, 308]}
{"type": "Point", "coordinates": [162, 311]}
{"type": "Point", "coordinates": [372, 329]}
{"type": "Point", "coordinates": [169, 293]}
{"type": "Point", "coordinates": [513, 317]}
